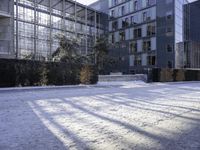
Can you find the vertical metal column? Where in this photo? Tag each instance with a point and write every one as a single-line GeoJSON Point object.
{"type": "Point", "coordinates": [95, 34]}
{"type": "Point", "coordinates": [99, 25]}
{"type": "Point", "coordinates": [17, 31]}
{"type": "Point", "coordinates": [63, 16]}
{"type": "Point", "coordinates": [86, 37]}
{"type": "Point", "coordinates": [50, 36]}
{"type": "Point", "coordinates": [95, 27]}
{"type": "Point", "coordinates": [35, 34]}
{"type": "Point", "coordinates": [75, 11]}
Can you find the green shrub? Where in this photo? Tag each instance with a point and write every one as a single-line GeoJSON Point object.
{"type": "Point", "coordinates": [34, 73]}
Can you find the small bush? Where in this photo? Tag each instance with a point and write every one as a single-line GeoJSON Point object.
{"type": "Point", "coordinates": [88, 75]}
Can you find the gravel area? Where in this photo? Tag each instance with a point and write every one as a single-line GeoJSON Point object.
{"type": "Point", "coordinates": [108, 116]}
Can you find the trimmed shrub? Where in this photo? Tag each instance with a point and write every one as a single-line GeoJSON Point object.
{"type": "Point", "coordinates": [180, 75]}
{"type": "Point", "coordinates": [34, 73]}
{"type": "Point", "coordinates": [88, 75]}
{"type": "Point", "coordinates": [166, 75]}
{"type": "Point", "coordinates": [169, 75]}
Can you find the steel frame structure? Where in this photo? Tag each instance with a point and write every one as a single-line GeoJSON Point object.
{"type": "Point", "coordinates": [36, 22]}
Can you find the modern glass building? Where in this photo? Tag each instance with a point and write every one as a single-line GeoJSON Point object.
{"type": "Point", "coordinates": [28, 27]}
{"type": "Point", "coordinates": [146, 33]}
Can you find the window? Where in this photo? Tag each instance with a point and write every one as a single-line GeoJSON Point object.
{"type": "Point", "coordinates": [152, 60]}
{"type": "Point", "coordinates": [134, 20]}
{"type": "Point", "coordinates": [123, 10]}
{"type": "Point", "coordinates": [137, 33]}
{"type": "Point", "coordinates": [144, 15]}
{"type": "Point", "coordinates": [122, 36]}
{"type": "Point", "coordinates": [115, 2]}
{"type": "Point", "coordinates": [113, 38]}
{"type": "Point", "coordinates": [169, 15]}
{"type": "Point", "coordinates": [169, 30]}
{"type": "Point", "coordinates": [151, 2]}
{"type": "Point", "coordinates": [169, 1]}
{"type": "Point", "coordinates": [125, 22]}
{"type": "Point", "coordinates": [169, 48]}
{"type": "Point", "coordinates": [114, 25]}
{"type": "Point", "coordinates": [169, 64]}
{"type": "Point", "coordinates": [136, 5]}
{"type": "Point", "coordinates": [112, 13]}
{"type": "Point", "coordinates": [147, 45]}
{"type": "Point", "coordinates": [147, 3]}
{"type": "Point", "coordinates": [133, 47]}
{"type": "Point", "coordinates": [138, 61]}
{"type": "Point", "coordinates": [151, 29]}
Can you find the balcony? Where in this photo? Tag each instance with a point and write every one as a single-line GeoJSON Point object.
{"type": "Point", "coordinates": [4, 14]}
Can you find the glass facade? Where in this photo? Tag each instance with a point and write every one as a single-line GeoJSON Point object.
{"type": "Point", "coordinates": [38, 21]}
{"type": "Point", "coordinates": [179, 32]}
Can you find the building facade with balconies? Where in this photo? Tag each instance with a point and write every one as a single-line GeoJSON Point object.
{"type": "Point", "coordinates": [145, 33]}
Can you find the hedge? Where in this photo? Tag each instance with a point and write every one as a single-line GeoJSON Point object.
{"type": "Point", "coordinates": [173, 75]}
{"type": "Point", "coordinates": [34, 73]}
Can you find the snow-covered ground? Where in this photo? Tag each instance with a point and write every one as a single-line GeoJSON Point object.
{"type": "Point", "coordinates": [108, 116]}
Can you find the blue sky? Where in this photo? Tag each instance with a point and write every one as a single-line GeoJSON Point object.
{"type": "Point", "coordinates": [87, 2]}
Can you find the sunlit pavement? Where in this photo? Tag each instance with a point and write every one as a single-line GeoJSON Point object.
{"type": "Point", "coordinates": [111, 116]}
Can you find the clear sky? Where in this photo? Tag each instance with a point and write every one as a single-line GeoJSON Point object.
{"type": "Point", "coordinates": [87, 2]}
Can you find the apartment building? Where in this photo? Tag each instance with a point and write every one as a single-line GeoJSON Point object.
{"type": "Point", "coordinates": [28, 27]}
{"type": "Point", "coordinates": [145, 33]}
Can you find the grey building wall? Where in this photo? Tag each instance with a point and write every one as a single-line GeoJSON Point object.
{"type": "Point", "coordinates": [6, 29]}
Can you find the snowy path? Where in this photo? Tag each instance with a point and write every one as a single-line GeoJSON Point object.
{"type": "Point", "coordinates": [111, 116]}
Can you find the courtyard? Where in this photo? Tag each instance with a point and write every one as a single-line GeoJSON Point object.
{"type": "Point", "coordinates": [109, 116]}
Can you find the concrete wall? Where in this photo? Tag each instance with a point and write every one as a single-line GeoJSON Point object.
{"type": "Point", "coordinates": [115, 78]}
{"type": "Point", "coordinates": [6, 29]}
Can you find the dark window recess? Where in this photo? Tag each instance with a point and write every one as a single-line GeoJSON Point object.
{"type": "Point", "coordinates": [122, 36]}
{"type": "Point", "coordinates": [136, 5]}
{"type": "Point", "coordinates": [133, 20]}
{"type": "Point", "coordinates": [133, 47]}
{"type": "Point", "coordinates": [113, 38]}
{"type": "Point", "coordinates": [169, 64]}
{"type": "Point", "coordinates": [144, 16]}
{"type": "Point", "coordinates": [114, 25]}
{"type": "Point", "coordinates": [169, 16]}
{"type": "Point", "coordinates": [138, 61]}
{"type": "Point", "coordinates": [169, 48]}
{"type": "Point", "coordinates": [123, 10]}
{"type": "Point", "coordinates": [125, 23]}
{"type": "Point", "coordinates": [113, 13]}
{"type": "Point", "coordinates": [147, 45]}
{"type": "Point", "coordinates": [151, 30]}
{"type": "Point", "coordinates": [169, 30]}
{"type": "Point", "coordinates": [137, 33]}
{"type": "Point", "coordinates": [152, 60]}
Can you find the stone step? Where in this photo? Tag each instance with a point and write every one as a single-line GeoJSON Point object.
{"type": "Point", "coordinates": [112, 78]}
